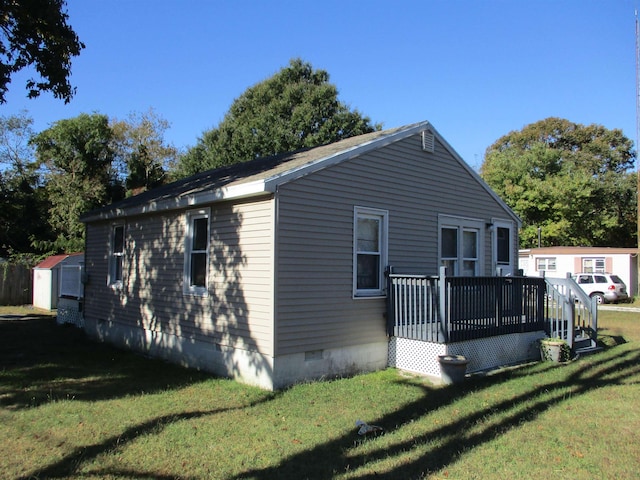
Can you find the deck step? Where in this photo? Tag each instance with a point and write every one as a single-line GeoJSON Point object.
{"type": "Point", "coordinates": [584, 342]}
{"type": "Point", "coordinates": [585, 346]}
{"type": "Point", "coordinates": [587, 350]}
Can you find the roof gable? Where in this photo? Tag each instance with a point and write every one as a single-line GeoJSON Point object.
{"type": "Point", "coordinates": [263, 175]}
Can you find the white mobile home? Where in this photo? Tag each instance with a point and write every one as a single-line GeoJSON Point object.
{"type": "Point", "coordinates": [558, 261]}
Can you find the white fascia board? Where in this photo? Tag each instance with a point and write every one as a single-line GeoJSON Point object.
{"type": "Point", "coordinates": [244, 190]}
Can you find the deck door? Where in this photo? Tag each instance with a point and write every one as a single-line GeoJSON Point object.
{"type": "Point", "coordinates": [461, 246]}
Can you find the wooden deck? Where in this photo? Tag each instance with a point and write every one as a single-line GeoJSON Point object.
{"type": "Point", "coordinates": [443, 309]}
{"type": "Point", "coordinates": [492, 321]}
{"type": "Point", "coordinates": [451, 309]}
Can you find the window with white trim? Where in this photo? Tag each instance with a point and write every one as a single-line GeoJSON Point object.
{"type": "Point", "coordinates": [546, 264]}
{"type": "Point", "coordinates": [116, 257]}
{"type": "Point", "coordinates": [460, 246]}
{"type": "Point", "coordinates": [503, 246]}
{"type": "Point", "coordinates": [196, 259]}
{"type": "Point", "coordinates": [593, 265]}
{"type": "Point", "coordinates": [503, 237]}
{"type": "Point", "coordinates": [469, 252]}
{"type": "Point", "coordinates": [449, 249]}
{"type": "Point", "coordinates": [370, 251]}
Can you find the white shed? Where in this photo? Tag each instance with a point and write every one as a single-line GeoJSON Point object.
{"type": "Point", "coordinates": [49, 283]}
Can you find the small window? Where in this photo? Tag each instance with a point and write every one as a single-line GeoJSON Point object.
{"type": "Point", "coordinates": [197, 253]}
{"type": "Point", "coordinates": [593, 265]}
{"type": "Point", "coordinates": [449, 249]}
{"type": "Point", "coordinates": [469, 252]}
{"type": "Point", "coordinates": [504, 246]}
{"type": "Point", "coordinates": [546, 264]}
{"type": "Point", "coordinates": [600, 279]}
{"type": "Point", "coordinates": [370, 241]}
{"type": "Point", "coordinates": [117, 255]}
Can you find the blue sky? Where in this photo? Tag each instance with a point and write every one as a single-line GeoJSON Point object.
{"type": "Point", "coordinates": [475, 69]}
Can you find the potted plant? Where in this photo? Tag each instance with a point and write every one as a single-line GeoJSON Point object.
{"type": "Point", "coordinates": [554, 350]}
{"type": "Point", "coordinates": [452, 368]}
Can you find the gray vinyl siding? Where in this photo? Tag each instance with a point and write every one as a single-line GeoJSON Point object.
{"type": "Point", "coordinates": [314, 304]}
{"type": "Point", "coordinates": [238, 311]}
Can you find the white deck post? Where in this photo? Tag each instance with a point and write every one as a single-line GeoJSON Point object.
{"type": "Point", "coordinates": [443, 307]}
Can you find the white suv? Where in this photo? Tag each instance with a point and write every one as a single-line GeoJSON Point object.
{"type": "Point", "coordinates": [604, 287]}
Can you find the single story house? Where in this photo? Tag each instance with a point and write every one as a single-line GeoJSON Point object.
{"type": "Point", "coordinates": [273, 271]}
{"type": "Point", "coordinates": [558, 261]}
{"type": "Point", "coordinates": [50, 283]}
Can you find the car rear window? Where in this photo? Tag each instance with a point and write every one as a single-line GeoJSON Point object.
{"type": "Point", "coordinates": [616, 279]}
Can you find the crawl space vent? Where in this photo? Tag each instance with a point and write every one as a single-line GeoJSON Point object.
{"type": "Point", "coordinates": [428, 141]}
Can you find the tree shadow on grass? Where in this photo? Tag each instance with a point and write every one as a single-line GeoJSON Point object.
{"type": "Point", "coordinates": [34, 349]}
{"type": "Point", "coordinates": [453, 439]}
{"type": "Point", "coordinates": [71, 462]}
{"type": "Point", "coordinates": [41, 361]}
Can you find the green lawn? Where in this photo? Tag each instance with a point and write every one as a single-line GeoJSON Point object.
{"type": "Point", "coordinates": [73, 409]}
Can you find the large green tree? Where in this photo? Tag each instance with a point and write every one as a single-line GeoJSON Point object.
{"type": "Point", "coordinates": [573, 184]}
{"type": "Point", "coordinates": [143, 155]}
{"type": "Point", "coordinates": [77, 155]}
{"type": "Point", "coordinates": [295, 108]}
{"type": "Point", "coordinates": [22, 203]}
{"type": "Point", "coordinates": [35, 33]}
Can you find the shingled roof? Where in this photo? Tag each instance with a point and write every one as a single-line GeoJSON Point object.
{"type": "Point", "coordinates": [250, 178]}
{"type": "Point", "coordinates": [263, 175]}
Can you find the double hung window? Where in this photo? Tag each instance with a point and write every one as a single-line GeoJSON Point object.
{"type": "Point", "coordinates": [593, 265]}
{"type": "Point", "coordinates": [503, 247]}
{"type": "Point", "coordinates": [116, 264]}
{"type": "Point", "coordinates": [370, 251]}
{"type": "Point", "coordinates": [546, 264]}
{"type": "Point", "coordinates": [460, 246]}
{"type": "Point", "coordinates": [503, 239]}
{"type": "Point", "coordinates": [449, 249]}
{"type": "Point", "coordinates": [196, 264]}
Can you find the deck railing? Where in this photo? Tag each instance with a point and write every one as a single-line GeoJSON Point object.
{"type": "Point", "coordinates": [414, 307]}
{"type": "Point", "coordinates": [445, 309]}
{"type": "Point", "coordinates": [569, 311]}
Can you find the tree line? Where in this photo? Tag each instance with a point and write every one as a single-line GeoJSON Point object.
{"type": "Point", "coordinates": [571, 184]}
{"type": "Point", "coordinates": [48, 179]}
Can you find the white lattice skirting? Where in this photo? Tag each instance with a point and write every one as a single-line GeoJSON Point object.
{"type": "Point", "coordinates": [69, 311]}
{"type": "Point", "coordinates": [483, 354]}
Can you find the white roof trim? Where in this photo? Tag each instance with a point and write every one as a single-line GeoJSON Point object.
{"type": "Point", "coordinates": [244, 190]}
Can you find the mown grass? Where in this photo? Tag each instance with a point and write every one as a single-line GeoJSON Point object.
{"type": "Point", "coordinates": [73, 409]}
